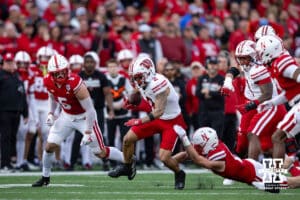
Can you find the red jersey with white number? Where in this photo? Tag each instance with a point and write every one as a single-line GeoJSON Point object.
{"type": "Point", "coordinates": [40, 91]}
{"type": "Point", "coordinates": [65, 95]}
{"type": "Point", "coordinates": [235, 168]}
{"type": "Point", "coordinates": [28, 80]}
{"type": "Point", "coordinates": [290, 86]}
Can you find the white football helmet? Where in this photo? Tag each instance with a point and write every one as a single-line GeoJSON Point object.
{"type": "Point", "coordinates": [44, 54]}
{"type": "Point", "coordinates": [58, 68]}
{"type": "Point", "coordinates": [76, 59]}
{"type": "Point", "coordinates": [125, 54]}
{"type": "Point", "coordinates": [264, 30]}
{"type": "Point", "coordinates": [22, 56]}
{"type": "Point", "coordinates": [206, 138]}
{"type": "Point", "coordinates": [245, 49]}
{"type": "Point", "coordinates": [269, 47]}
{"type": "Point", "coordinates": [141, 71]}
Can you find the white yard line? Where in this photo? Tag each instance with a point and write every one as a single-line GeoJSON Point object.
{"type": "Point", "coordinates": [79, 173]}
{"type": "Point", "coordinates": [29, 185]}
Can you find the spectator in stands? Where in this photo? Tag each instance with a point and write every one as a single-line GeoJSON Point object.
{"type": "Point", "coordinates": [149, 44]}
{"type": "Point", "coordinates": [192, 101]}
{"type": "Point", "coordinates": [126, 42]}
{"type": "Point", "coordinates": [172, 45]}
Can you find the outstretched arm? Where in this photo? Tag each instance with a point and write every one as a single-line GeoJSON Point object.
{"type": "Point", "coordinates": [83, 96]}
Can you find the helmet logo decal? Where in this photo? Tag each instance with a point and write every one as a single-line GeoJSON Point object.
{"type": "Point", "coordinates": [146, 63]}
{"type": "Point", "coordinates": [204, 137]}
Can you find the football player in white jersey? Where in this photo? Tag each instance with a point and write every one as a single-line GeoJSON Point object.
{"type": "Point", "coordinates": [160, 93]}
{"type": "Point", "coordinates": [258, 126]}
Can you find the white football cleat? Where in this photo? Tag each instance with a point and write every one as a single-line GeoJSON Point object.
{"type": "Point", "coordinates": [227, 181]}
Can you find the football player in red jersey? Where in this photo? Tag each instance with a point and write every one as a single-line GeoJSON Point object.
{"type": "Point", "coordinates": [207, 151]}
{"type": "Point", "coordinates": [258, 127]}
{"type": "Point", "coordinates": [26, 129]}
{"type": "Point", "coordinates": [41, 95]}
{"type": "Point", "coordinates": [286, 71]}
{"type": "Point", "coordinates": [78, 113]}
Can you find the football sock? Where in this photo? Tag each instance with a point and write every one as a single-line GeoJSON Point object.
{"type": "Point", "coordinates": [115, 154]}
{"type": "Point", "coordinates": [47, 162]}
{"type": "Point", "coordinates": [20, 146]}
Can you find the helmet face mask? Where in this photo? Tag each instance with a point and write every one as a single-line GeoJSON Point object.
{"type": "Point", "coordinates": [141, 71]}
{"type": "Point", "coordinates": [245, 54]}
{"type": "Point", "coordinates": [60, 77]}
{"type": "Point", "coordinates": [58, 68]}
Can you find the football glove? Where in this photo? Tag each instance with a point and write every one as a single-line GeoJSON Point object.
{"type": "Point", "coordinates": [50, 119]}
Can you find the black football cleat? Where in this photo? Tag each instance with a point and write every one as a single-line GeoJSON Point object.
{"type": "Point", "coordinates": [128, 170]}
{"type": "Point", "coordinates": [132, 173]}
{"type": "Point", "coordinates": [120, 170]}
{"type": "Point", "coordinates": [272, 187]}
{"type": "Point", "coordinates": [179, 180]}
{"type": "Point", "coordinates": [44, 181]}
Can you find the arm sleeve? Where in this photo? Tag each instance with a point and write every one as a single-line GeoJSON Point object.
{"type": "Point", "coordinates": [199, 88]}
{"type": "Point", "coordinates": [88, 106]}
{"type": "Point", "coordinates": [52, 103]}
{"type": "Point", "coordinates": [279, 99]}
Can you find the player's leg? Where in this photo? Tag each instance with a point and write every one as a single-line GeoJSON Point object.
{"type": "Point", "coordinates": [58, 132]}
{"type": "Point", "coordinates": [168, 142]}
{"type": "Point", "coordinates": [128, 167]}
{"type": "Point", "coordinates": [20, 146]}
{"type": "Point", "coordinates": [288, 127]}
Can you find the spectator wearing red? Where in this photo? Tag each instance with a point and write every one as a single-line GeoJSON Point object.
{"type": "Point", "coordinates": [206, 46]}
{"type": "Point", "coordinates": [51, 11]}
{"type": "Point", "coordinates": [242, 33]}
{"type": "Point", "coordinates": [8, 38]}
{"type": "Point", "coordinates": [56, 39]}
{"type": "Point", "coordinates": [192, 101]}
{"type": "Point", "coordinates": [85, 38]}
{"type": "Point", "coordinates": [26, 41]}
{"type": "Point", "coordinates": [220, 10]}
{"type": "Point", "coordinates": [173, 46]}
{"type": "Point", "coordinates": [43, 34]}
{"type": "Point", "coordinates": [73, 46]}
{"type": "Point", "coordinates": [126, 42]}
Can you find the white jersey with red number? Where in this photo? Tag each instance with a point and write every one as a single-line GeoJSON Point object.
{"type": "Point", "coordinates": [235, 168]}
{"type": "Point", "coordinates": [65, 95]}
{"type": "Point", "coordinates": [279, 66]}
{"type": "Point", "coordinates": [40, 91]}
{"type": "Point", "coordinates": [158, 85]}
{"type": "Point", "coordinates": [256, 76]}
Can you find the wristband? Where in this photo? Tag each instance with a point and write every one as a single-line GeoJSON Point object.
{"type": "Point", "coordinates": [252, 105]}
{"type": "Point", "coordinates": [185, 141]}
{"type": "Point", "coordinates": [151, 116]}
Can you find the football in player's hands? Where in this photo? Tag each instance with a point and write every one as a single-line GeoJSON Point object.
{"type": "Point", "coordinates": [135, 98]}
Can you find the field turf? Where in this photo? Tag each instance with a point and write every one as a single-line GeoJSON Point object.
{"type": "Point", "coordinates": [147, 185]}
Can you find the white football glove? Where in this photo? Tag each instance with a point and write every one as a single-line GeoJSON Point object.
{"type": "Point", "coordinates": [86, 139]}
{"type": "Point", "coordinates": [182, 135]}
{"type": "Point", "coordinates": [50, 119]}
{"type": "Point", "coordinates": [266, 105]}
{"type": "Point", "coordinates": [228, 84]}
{"type": "Point", "coordinates": [179, 131]}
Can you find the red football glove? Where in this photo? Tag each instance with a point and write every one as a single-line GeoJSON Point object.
{"type": "Point", "coordinates": [241, 108]}
{"type": "Point", "coordinates": [133, 122]}
{"type": "Point", "coordinates": [225, 91]}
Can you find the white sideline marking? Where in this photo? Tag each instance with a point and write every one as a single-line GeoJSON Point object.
{"type": "Point", "coordinates": [79, 173]}
{"type": "Point", "coordinates": [29, 185]}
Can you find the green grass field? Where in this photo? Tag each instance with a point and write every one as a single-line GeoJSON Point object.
{"type": "Point", "coordinates": [146, 186]}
